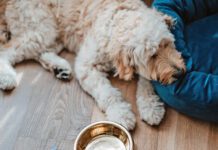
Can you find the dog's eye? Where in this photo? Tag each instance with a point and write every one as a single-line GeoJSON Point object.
{"type": "Point", "coordinates": [154, 56]}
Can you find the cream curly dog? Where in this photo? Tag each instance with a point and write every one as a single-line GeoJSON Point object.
{"type": "Point", "coordinates": [123, 36]}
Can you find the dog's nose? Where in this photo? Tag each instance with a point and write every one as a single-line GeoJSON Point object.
{"type": "Point", "coordinates": [179, 73]}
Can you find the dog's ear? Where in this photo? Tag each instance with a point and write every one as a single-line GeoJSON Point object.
{"type": "Point", "coordinates": [169, 20]}
{"type": "Point", "coordinates": [124, 65]}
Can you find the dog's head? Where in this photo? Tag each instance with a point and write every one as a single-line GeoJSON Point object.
{"type": "Point", "coordinates": [165, 65]}
{"type": "Point", "coordinates": [147, 48]}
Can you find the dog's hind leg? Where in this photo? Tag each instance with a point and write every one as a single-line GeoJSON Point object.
{"type": "Point", "coordinates": [11, 53]}
{"type": "Point", "coordinates": [19, 49]}
{"type": "Point", "coordinates": [7, 76]}
{"type": "Point", "coordinates": [150, 108]}
{"type": "Point", "coordinates": [95, 82]}
{"type": "Point", "coordinates": [34, 33]}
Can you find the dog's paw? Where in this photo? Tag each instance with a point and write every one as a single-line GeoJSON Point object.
{"type": "Point", "coordinates": [59, 66]}
{"type": "Point", "coordinates": [121, 113]}
{"type": "Point", "coordinates": [151, 110]}
{"type": "Point", "coordinates": [62, 70]}
{"type": "Point", "coordinates": [7, 81]}
{"type": "Point", "coordinates": [63, 73]}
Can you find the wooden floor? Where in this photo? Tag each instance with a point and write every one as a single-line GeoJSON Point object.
{"type": "Point", "coordinates": [43, 113]}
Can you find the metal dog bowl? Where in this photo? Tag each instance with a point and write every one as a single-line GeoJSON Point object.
{"type": "Point", "coordinates": [104, 135]}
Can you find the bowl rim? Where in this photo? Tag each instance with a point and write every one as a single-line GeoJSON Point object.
{"type": "Point", "coordinates": [104, 122]}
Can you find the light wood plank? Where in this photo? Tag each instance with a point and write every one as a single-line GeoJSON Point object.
{"type": "Point", "coordinates": [13, 108]}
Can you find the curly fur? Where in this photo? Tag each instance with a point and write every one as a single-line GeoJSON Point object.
{"type": "Point", "coordinates": [121, 35]}
{"type": "Point", "coordinates": [4, 35]}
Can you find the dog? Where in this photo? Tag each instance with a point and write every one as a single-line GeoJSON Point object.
{"type": "Point", "coordinates": [124, 36]}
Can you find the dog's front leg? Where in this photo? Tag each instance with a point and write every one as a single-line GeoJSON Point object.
{"type": "Point", "coordinates": [95, 82]}
{"type": "Point", "coordinates": [54, 63]}
{"type": "Point", "coordinates": [151, 109]}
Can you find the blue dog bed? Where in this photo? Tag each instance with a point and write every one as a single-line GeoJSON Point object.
{"type": "Point", "coordinates": [196, 34]}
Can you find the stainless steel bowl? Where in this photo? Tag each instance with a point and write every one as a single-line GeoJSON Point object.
{"type": "Point", "coordinates": [104, 135]}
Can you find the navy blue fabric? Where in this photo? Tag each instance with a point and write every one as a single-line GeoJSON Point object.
{"type": "Point", "coordinates": [196, 34]}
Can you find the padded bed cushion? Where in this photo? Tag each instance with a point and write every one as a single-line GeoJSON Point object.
{"type": "Point", "coordinates": [196, 34]}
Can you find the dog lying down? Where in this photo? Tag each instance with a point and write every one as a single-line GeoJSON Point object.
{"type": "Point", "coordinates": [121, 35]}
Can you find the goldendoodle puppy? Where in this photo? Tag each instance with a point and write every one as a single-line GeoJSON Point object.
{"type": "Point", "coordinates": [124, 36]}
